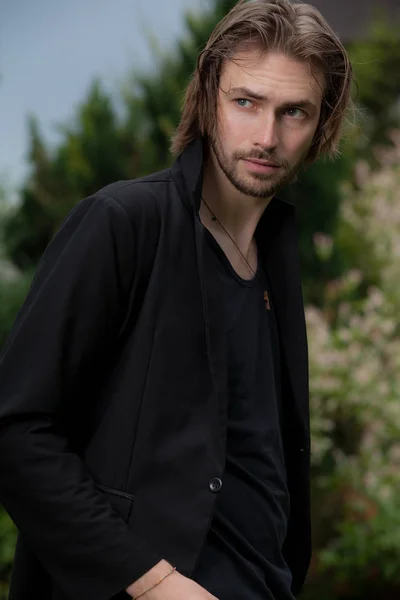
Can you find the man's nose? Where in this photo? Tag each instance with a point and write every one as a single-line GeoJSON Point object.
{"type": "Point", "coordinates": [267, 134]}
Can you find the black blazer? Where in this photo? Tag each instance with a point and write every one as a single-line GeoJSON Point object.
{"type": "Point", "coordinates": [113, 403]}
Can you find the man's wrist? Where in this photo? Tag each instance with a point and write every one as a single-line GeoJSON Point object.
{"type": "Point", "coordinates": [150, 579]}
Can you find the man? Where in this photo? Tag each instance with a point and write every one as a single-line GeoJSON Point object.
{"type": "Point", "coordinates": [154, 435]}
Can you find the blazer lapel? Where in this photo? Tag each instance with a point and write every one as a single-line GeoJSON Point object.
{"type": "Point", "coordinates": [277, 239]}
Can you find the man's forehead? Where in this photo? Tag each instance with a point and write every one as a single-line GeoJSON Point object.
{"type": "Point", "coordinates": [266, 71]}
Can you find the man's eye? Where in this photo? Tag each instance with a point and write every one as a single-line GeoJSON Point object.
{"type": "Point", "coordinates": [294, 112]}
{"type": "Point", "coordinates": [243, 102]}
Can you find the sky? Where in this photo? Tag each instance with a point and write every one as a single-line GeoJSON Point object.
{"type": "Point", "coordinates": [50, 51]}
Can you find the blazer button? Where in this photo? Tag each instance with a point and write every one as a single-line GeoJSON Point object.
{"type": "Point", "coordinates": [215, 485]}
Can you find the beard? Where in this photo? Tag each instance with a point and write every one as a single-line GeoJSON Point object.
{"type": "Point", "coordinates": [257, 185]}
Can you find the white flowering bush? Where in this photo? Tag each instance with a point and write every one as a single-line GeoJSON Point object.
{"type": "Point", "coordinates": [355, 387]}
{"type": "Point", "coordinates": [370, 214]}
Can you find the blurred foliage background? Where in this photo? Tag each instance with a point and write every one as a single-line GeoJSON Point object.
{"type": "Point", "coordinates": [349, 221]}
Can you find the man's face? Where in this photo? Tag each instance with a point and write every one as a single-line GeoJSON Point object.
{"type": "Point", "coordinates": [268, 112]}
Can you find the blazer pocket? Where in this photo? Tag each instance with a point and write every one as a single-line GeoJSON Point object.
{"type": "Point", "coordinates": [120, 501]}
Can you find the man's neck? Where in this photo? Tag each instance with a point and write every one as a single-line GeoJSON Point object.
{"type": "Point", "coordinates": [238, 214]}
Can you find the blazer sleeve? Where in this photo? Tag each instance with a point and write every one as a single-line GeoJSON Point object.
{"type": "Point", "coordinates": [68, 323]}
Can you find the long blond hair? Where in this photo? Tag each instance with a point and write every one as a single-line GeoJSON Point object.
{"type": "Point", "coordinates": [295, 29]}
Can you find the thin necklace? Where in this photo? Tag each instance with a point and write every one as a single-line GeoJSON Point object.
{"type": "Point", "coordinates": [215, 218]}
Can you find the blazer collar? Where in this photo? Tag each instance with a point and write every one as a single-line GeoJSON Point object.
{"type": "Point", "coordinates": [188, 172]}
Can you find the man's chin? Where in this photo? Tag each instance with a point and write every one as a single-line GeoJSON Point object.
{"type": "Point", "coordinates": [257, 191]}
{"type": "Point", "coordinates": [262, 188]}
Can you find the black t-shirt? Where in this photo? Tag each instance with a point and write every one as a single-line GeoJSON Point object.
{"type": "Point", "coordinates": [242, 557]}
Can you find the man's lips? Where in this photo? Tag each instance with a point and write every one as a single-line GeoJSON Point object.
{"type": "Point", "coordinates": [265, 163]}
{"type": "Point", "coordinates": [257, 165]}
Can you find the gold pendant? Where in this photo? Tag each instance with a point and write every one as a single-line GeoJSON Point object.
{"type": "Point", "coordinates": [266, 300]}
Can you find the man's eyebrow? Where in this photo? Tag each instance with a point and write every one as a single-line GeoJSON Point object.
{"type": "Point", "coordinates": [246, 92]}
{"type": "Point", "coordinates": [243, 91]}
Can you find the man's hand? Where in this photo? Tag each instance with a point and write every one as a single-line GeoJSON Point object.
{"type": "Point", "coordinates": [174, 587]}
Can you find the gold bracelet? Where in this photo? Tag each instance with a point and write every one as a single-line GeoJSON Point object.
{"type": "Point", "coordinates": [153, 586]}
